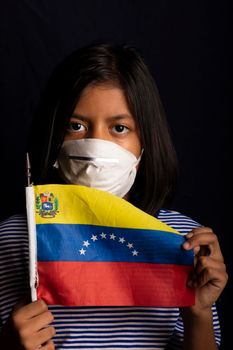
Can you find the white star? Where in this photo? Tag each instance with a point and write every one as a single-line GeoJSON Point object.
{"type": "Point", "coordinates": [134, 252]}
{"type": "Point", "coordinates": [82, 251]}
{"type": "Point", "coordinates": [121, 240]}
{"type": "Point", "coordinates": [94, 238]}
{"type": "Point", "coordinates": [112, 236]}
{"type": "Point", "coordinates": [103, 235]}
{"type": "Point", "coordinates": [130, 245]}
{"type": "Point", "coordinates": [86, 243]}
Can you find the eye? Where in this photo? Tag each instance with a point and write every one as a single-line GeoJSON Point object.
{"type": "Point", "coordinates": [120, 129]}
{"type": "Point", "coordinates": [75, 127]}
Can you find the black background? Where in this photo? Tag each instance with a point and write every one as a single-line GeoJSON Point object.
{"type": "Point", "coordinates": [187, 45]}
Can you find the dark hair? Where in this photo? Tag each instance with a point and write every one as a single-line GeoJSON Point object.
{"type": "Point", "coordinates": [123, 66]}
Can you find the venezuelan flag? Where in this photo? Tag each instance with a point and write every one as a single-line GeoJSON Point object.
{"type": "Point", "coordinates": [92, 248]}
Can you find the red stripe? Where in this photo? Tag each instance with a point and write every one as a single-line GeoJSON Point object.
{"type": "Point", "coordinates": [114, 284]}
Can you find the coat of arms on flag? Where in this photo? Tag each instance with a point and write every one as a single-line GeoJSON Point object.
{"type": "Point", "coordinates": [91, 248]}
{"type": "Point", "coordinates": [46, 204]}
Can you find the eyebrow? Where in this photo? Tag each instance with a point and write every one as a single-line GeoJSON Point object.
{"type": "Point", "coordinates": [114, 117]}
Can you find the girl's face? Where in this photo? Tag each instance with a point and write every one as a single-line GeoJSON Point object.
{"type": "Point", "coordinates": [102, 113]}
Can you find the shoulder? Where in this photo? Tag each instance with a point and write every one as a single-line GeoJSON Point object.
{"type": "Point", "coordinates": [178, 221]}
{"type": "Point", "coordinates": [14, 225]}
{"type": "Point", "coordinates": [17, 218]}
{"type": "Point", "coordinates": [13, 242]}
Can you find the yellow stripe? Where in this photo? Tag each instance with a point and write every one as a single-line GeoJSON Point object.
{"type": "Point", "coordinates": [84, 205]}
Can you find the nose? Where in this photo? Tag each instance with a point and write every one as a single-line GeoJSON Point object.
{"type": "Point", "coordinates": [98, 132]}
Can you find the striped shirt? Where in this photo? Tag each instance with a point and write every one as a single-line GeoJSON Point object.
{"type": "Point", "coordinates": [92, 327]}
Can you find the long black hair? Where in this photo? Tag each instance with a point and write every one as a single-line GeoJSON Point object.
{"type": "Point", "coordinates": [119, 65]}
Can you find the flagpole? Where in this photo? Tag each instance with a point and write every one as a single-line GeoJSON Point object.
{"type": "Point", "coordinates": [31, 221]}
{"type": "Point", "coordinates": [28, 170]}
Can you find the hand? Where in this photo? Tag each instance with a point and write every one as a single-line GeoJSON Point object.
{"type": "Point", "coordinates": [30, 325]}
{"type": "Point", "coordinates": [209, 277]}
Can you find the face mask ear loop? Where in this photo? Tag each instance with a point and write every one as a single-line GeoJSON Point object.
{"type": "Point", "coordinates": [139, 158]}
{"type": "Point", "coordinates": [55, 165]}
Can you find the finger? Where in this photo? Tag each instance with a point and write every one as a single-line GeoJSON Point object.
{"type": "Point", "coordinates": [216, 278]}
{"type": "Point", "coordinates": [201, 251]}
{"type": "Point", "coordinates": [199, 268]}
{"type": "Point", "coordinates": [201, 238]}
{"type": "Point", "coordinates": [31, 310]}
{"type": "Point", "coordinates": [41, 321]}
{"type": "Point", "coordinates": [196, 250]}
{"type": "Point", "coordinates": [201, 229]}
{"type": "Point", "coordinates": [49, 345]}
{"type": "Point", "coordinates": [207, 239]}
{"type": "Point", "coordinates": [40, 341]}
{"type": "Point", "coordinates": [45, 336]}
{"type": "Point", "coordinates": [205, 262]}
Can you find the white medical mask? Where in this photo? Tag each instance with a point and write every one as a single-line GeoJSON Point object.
{"type": "Point", "coordinates": [96, 163]}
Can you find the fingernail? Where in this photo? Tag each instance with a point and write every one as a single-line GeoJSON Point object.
{"type": "Point", "coordinates": [186, 245]}
{"type": "Point", "coordinates": [189, 235]}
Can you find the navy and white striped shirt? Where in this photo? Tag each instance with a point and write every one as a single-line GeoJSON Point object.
{"type": "Point", "coordinates": [92, 327]}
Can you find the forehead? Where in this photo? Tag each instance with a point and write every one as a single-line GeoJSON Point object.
{"type": "Point", "coordinates": [104, 98]}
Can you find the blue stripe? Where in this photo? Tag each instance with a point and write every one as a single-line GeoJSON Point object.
{"type": "Point", "coordinates": [61, 242]}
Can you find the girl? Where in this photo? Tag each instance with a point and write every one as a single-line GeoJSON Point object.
{"type": "Point", "coordinates": [103, 102]}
